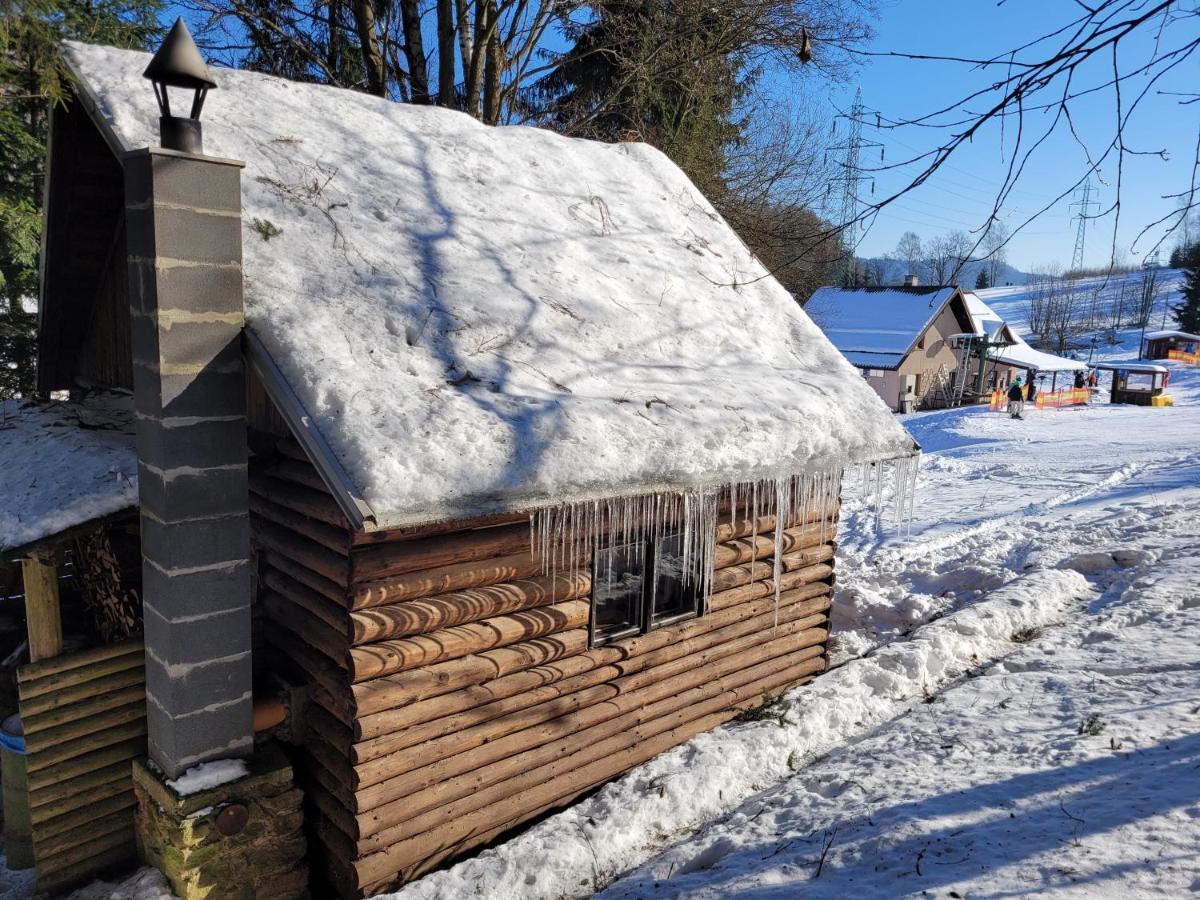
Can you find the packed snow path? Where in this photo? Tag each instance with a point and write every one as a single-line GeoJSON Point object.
{"type": "Point", "coordinates": [1105, 495]}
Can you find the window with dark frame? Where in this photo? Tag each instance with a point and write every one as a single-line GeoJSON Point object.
{"type": "Point", "coordinates": [637, 588]}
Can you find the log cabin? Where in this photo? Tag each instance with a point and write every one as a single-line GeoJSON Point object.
{"type": "Point", "coordinates": [530, 466]}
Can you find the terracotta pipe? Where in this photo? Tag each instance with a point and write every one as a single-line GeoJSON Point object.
{"type": "Point", "coordinates": [269, 712]}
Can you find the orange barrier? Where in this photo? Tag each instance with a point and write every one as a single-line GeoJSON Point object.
{"type": "Point", "coordinates": [1181, 356]}
{"type": "Point", "coordinates": [1065, 397]}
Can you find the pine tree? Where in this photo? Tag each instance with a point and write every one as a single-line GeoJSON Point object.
{"type": "Point", "coordinates": [32, 77]}
{"type": "Point", "coordinates": [1187, 313]}
{"type": "Point", "coordinates": [981, 280]}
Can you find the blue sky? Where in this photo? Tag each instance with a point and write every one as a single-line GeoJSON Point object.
{"type": "Point", "coordinates": [960, 195]}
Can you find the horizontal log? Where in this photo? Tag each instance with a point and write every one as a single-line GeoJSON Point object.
{"type": "Point", "coordinates": [744, 550]}
{"type": "Point", "coordinates": [88, 747]}
{"type": "Point", "coordinates": [396, 691]}
{"type": "Point", "coordinates": [326, 587]}
{"type": "Point", "coordinates": [594, 765]}
{"type": "Point", "coordinates": [569, 696]}
{"type": "Point", "coordinates": [124, 751]}
{"type": "Point", "coordinates": [729, 599]}
{"type": "Point", "coordinates": [306, 627]}
{"type": "Point", "coordinates": [298, 471]}
{"type": "Point", "coordinates": [119, 824]}
{"type": "Point", "coordinates": [455, 577]}
{"type": "Point", "coordinates": [432, 529]}
{"type": "Point", "coordinates": [67, 695]}
{"type": "Point", "coordinates": [422, 616]}
{"type": "Point", "coordinates": [82, 797]}
{"type": "Point", "coordinates": [484, 789]}
{"type": "Point", "coordinates": [307, 553]}
{"type": "Point", "coordinates": [743, 525]}
{"type": "Point", "coordinates": [73, 820]}
{"type": "Point", "coordinates": [441, 678]}
{"type": "Point", "coordinates": [327, 536]}
{"type": "Point", "coordinates": [396, 729]}
{"type": "Point", "coordinates": [389, 657]}
{"type": "Point", "coordinates": [52, 792]}
{"type": "Point", "coordinates": [88, 708]}
{"type": "Point", "coordinates": [383, 561]}
{"type": "Point", "coordinates": [298, 498]}
{"type": "Point", "coordinates": [524, 746]}
{"type": "Point", "coordinates": [736, 576]}
{"type": "Point", "coordinates": [801, 559]}
{"type": "Point", "coordinates": [334, 615]}
{"type": "Point", "coordinates": [808, 575]}
{"type": "Point", "coordinates": [36, 679]}
{"type": "Point", "coordinates": [99, 717]}
{"type": "Point", "coordinates": [327, 682]}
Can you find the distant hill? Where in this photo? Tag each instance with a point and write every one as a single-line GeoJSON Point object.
{"type": "Point", "coordinates": [896, 270]}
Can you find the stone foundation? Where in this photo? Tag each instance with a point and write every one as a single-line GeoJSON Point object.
{"type": "Point", "coordinates": [243, 840]}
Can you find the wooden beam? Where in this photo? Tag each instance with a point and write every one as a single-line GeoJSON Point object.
{"type": "Point", "coordinates": [43, 615]}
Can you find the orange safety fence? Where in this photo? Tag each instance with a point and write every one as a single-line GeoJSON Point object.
{"type": "Point", "coordinates": [1046, 400]}
{"type": "Point", "coordinates": [1183, 356]}
{"type": "Point", "coordinates": [1066, 397]}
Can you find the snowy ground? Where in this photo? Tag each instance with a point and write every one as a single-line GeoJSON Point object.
{"type": "Point", "coordinates": [1017, 709]}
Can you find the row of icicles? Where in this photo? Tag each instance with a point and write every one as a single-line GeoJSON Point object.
{"type": "Point", "coordinates": [567, 536]}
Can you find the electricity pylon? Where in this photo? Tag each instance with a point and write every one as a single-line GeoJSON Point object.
{"type": "Point", "coordinates": [848, 180]}
{"type": "Point", "coordinates": [1084, 203]}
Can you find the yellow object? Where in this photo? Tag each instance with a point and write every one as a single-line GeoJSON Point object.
{"type": "Point", "coordinates": [1162, 400]}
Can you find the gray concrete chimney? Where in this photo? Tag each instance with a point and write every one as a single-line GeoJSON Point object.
{"type": "Point", "coordinates": [911, 280]}
{"type": "Point", "coordinates": [184, 238]}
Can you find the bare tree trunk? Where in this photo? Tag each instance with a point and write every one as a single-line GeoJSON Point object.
{"type": "Point", "coordinates": [445, 35]}
{"type": "Point", "coordinates": [414, 50]}
{"type": "Point", "coordinates": [368, 37]}
{"type": "Point", "coordinates": [474, 77]}
{"type": "Point", "coordinates": [462, 7]}
{"type": "Point", "coordinates": [493, 68]}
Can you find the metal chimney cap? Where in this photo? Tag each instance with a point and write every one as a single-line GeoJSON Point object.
{"type": "Point", "coordinates": [178, 62]}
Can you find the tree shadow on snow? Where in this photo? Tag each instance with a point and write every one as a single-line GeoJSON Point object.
{"type": "Point", "coordinates": [1040, 820]}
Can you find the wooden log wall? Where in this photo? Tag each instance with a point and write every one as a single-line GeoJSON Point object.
{"type": "Point", "coordinates": [454, 691]}
{"type": "Point", "coordinates": [84, 716]}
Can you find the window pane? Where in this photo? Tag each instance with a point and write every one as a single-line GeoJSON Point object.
{"type": "Point", "coordinates": [675, 591]}
{"type": "Point", "coordinates": [617, 593]}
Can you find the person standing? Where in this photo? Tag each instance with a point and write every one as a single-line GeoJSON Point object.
{"type": "Point", "coordinates": [1016, 400]}
{"type": "Point", "coordinates": [1031, 394]}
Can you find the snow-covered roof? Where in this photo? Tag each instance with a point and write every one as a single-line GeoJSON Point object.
{"type": "Point", "coordinates": [1130, 365]}
{"type": "Point", "coordinates": [869, 360]}
{"type": "Point", "coordinates": [477, 318]}
{"type": "Point", "coordinates": [64, 464]}
{"type": "Point", "coordinates": [876, 320]}
{"type": "Point", "coordinates": [1019, 353]}
{"type": "Point", "coordinates": [1158, 335]}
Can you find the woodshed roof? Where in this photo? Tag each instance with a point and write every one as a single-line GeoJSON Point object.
{"type": "Point", "coordinates": [462, 319]}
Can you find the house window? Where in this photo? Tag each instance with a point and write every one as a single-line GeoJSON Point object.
{"type": "Point", "coordinates": [618, 590]}
{"type": "Point", "coordinates": [640, 587]}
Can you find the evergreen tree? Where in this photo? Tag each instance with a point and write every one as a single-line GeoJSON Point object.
{"type": "Point", "coordinates": [981, 280]}
{"type": "Point", "coordinates": [1187, 312]}
{"type": "Point", "coordinates": [32, 77]}
{"type": "Point", "coordinates": [653, 71]}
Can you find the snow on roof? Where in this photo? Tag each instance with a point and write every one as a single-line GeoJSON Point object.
{"type": "Point", "coordinates": [476, 318]}
{"type": "Point", "coordinates": [64, 464]}
{"type": "Point", "coordinates": [1158, 335]}
{"type": "Point", "coordinates": [1130, 365]}
{"type": "Point", "coordinates": [867, 360]}
{"type": "Point", "coordinates": [1019, 353]}
{"type": "Point", "coordinates": [876, 320]}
